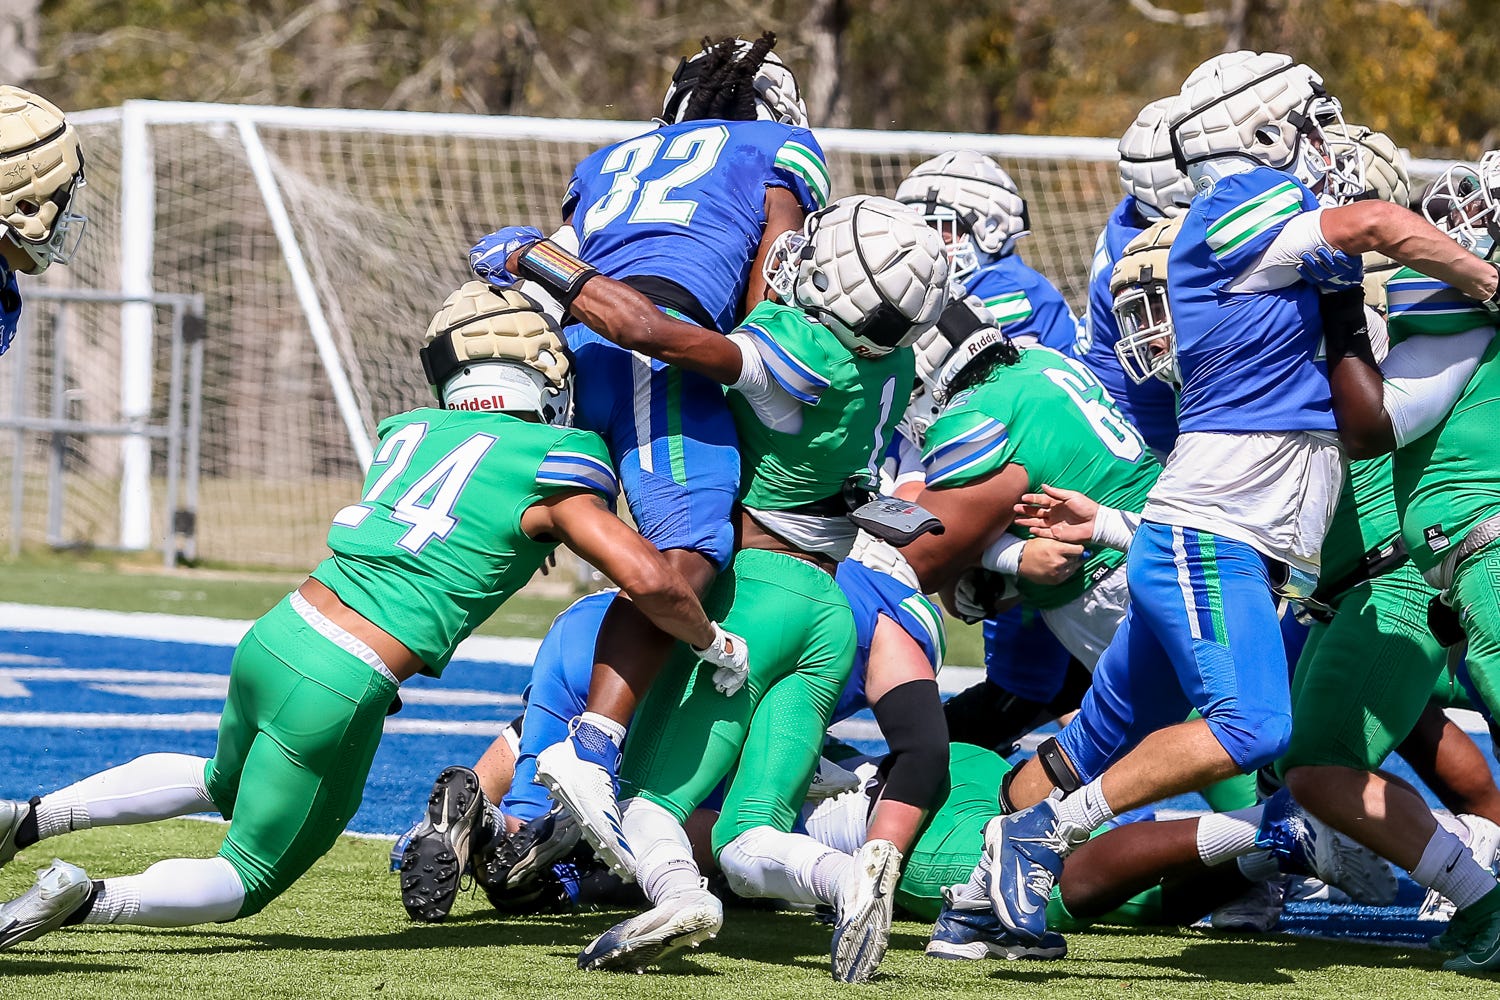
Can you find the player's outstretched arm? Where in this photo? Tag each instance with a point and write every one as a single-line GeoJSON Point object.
{"type": "Point", "coordinates": [1406, 237]}
{"type": "Point", "coordinates": [583, 523]}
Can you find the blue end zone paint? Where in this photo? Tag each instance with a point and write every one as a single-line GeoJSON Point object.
{"type": "Point", "coordinates": [123, 697]}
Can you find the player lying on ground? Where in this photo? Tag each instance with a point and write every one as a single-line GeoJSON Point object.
{"type": "Point", "coordinates": [684, 214]}
{"type": "Point", "coordinates": [41, 170]}
{"type": "Point", "coordinates": [1143, 873]}
{"type": "Point", "coordinates": [814, 381]}
{"type": "Point", "coordinates": [460, 507]}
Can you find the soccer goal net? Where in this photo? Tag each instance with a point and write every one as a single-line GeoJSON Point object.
{"type": "Point", "coordinates": [322, 241]}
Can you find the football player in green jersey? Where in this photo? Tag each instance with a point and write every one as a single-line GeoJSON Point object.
{"type": "Point", "coordinates": [461, 505]}
{"type": "Point", "coordinates": [816, 373]}
{"type": "Point", "coordinates": [1435, 400]}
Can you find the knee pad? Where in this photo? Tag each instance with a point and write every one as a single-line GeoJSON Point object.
{"type": "Point", "coordinates": [1252, 739]}
{"type": "Point", "coordinates": [741, 861]}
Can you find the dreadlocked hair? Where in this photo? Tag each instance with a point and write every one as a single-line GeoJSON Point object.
{"type": "Point", "coordinates": [984, 366]}
{"type": "Point", "coordinates": [725, 88]}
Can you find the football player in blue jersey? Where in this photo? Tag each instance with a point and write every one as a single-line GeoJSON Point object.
{"type": "Point", "coordinates": [1238, 516]}
{"type": "Point", "coordinates": [1155, 189]}
{"type": "Point", "coordinates": [685, 214]}
{"type": "Point", "coordinates": [41, 170]}
{"type": "Point", "coordinates": [976, 206]}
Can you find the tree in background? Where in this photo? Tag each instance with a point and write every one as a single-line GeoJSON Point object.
{"type": "Point", "coordinates": [1427, 71]}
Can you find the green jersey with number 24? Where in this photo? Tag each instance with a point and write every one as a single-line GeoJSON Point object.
{"type": "Point", "coordinates": [1049, 415]}
{"type": "Point", "coordinates": [435, 544]}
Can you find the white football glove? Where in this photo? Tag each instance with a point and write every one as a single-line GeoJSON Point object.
{"type": "Point", "coordinates": [729, 654]}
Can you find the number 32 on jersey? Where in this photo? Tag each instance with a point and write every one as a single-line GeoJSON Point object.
{"type": "Point", "coordinates": [695, 152]}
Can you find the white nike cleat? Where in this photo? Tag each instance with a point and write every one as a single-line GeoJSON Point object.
{"type": "Point", "coordinates": [685, 920]}
{"type": "Point", "coordinates": [587, 791]}
{"type": "Point", "coordinates": [1348, 865]}
{"type": "Point", "coordinates": [1256, 912]}
{"type": "Point", "coordinates": [58, 893]}
{"type": "Point", "coordinates": [11, 815]}
{"type": "Point", "coordinates": [864, 903]}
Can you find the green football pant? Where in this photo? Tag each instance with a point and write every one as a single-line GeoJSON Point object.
{"type": "Point", "coordinates": [1476, 595]}
{"type": "Point", "coordinates": [1364, 678]}
{"type": "Point", "coordinates": [687, 737]}
{"type": "Point", "coordinates": [298, 735]}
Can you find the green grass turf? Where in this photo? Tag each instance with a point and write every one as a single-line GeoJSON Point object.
{"type": "Point", "coordinates": [341, 932]}
{"type": "Point", "coordinates": [113, 582]}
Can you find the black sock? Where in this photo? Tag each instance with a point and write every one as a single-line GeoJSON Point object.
{"type": "Point", "coordinates": [79, 915]}
{"type": "Point", "coordinates": [28, 834]}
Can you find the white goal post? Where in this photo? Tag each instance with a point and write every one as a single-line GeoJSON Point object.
{"type": "Point", "coordinates": [322, 240]}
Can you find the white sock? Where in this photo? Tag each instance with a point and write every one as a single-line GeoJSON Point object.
{"type": "Point", "coordinates": [1455, 826]}
{"type": "Point", "coordinates": [1086, 807]}
{"type": "Point", "coordinates": [609, 727]}
{"type": "Point", "coordinates": [765, 862]}
{"type": "Point", "coordinates": [977, 889]}
{"type": "Point", "coordinates": [1258, 866]}
{"type": "Point", "coordinates": [1225, 836]}
{"type": "Point", "coordinates": [176, 893]}
{"type": "Point", "coordinates": [1448, 867]}
{"type": "Point", "coordinates": [156, 786]}
{"type": "Point", "coordinates": [664, 863]}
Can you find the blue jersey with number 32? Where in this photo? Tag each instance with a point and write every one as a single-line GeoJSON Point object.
{"type": "Point", "coordinates": [687, 203]}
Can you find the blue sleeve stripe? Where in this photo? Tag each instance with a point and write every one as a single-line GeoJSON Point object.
{"type": "Point", "coordinates": [964, 460]}
{"type": "Point", "coordinates": [800, 381]}
{"type": "Point", "coordinates": [980, 432]}
{"type": "Point", "coordinates": [573, 469]}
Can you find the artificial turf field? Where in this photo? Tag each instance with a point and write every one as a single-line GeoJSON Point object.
{"type": "Point", "coordinates": [341, 932]}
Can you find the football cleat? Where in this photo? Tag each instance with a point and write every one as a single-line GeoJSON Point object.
{"type": "Point", "coordinates": [967, 929]}
{"type": "Point", "coordinates": [439, 848]}
{"type": "Point", "coordinates": [11, 815]}
{"type": "Point", "coordinates": [398, 849]}
{"type": "Point", "coordinates": [1026, 851]}
{"type": "Point", "coordinates": [58, 893]}
{"type": "Point", "coordinates": [1256, 912]}
{"type": "Point", "coordinates": [864, 903]}
{"type": "Point", "coordinates": [685, 920]}
{"type": "Point", "coordinates": [1304, 845]}
{"type": "Point", "coordinates": [1484, 844]}
{"type": "Point", "coordinates": [1477, 941]}
{"type": "Point", "coordinates": [586, 789]}
{"type": "Point", "coordinates": [509, 862]}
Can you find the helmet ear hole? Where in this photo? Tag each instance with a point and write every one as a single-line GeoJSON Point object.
{"type": "Point", "coordinates": [1266, 135]}
{"type": "Point", "coordinates": [819, 281]}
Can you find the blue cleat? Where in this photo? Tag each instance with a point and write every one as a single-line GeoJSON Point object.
{"type": "Point", "coordinates": [1026, 851]}
{"type": "Point", "coordinates": [968, 930]}
{"type": "Point", "coordinates": [1304, 845]}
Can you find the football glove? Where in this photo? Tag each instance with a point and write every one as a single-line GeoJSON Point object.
{"type": "Point", "coordinates": [488, 257]}
{"type": "Point", "coordinates": [10, 306]}
{"type": "Point", "coordinates": [1331, 270]}
{"type": "Point", "coordinates": [728, 653]}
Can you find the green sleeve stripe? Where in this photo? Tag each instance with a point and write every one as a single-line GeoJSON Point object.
{"type": "Point", "coordinates": [1253, 218]}
{"type": "Point", "coordinates": [805, 164]}
{"type": "Point", "coordinates": [932, 622]}
{"type": "Point", "coordinates": [1009, 308]}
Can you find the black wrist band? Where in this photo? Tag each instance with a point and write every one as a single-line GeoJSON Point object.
{"type": "Point", "coordinates": [556, 270]}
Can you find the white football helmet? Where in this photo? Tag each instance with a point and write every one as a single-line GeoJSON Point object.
{"type": "Point", "coordinates": [1464, 202]}
{"type": "Point", "coordinates": [41, 170]}
{"type": "Point", "coordinates": [1147, 347]}
{"type": "Point", "coordinates": [488, 349]}
{"type": "Point", "coordinates": [870, 269]}
{"type": "Point", "coordinates": [972, 202]}
{"type": "Point", "coordinates": [1259, 107]}
{"type": "Point", "coordinates": [777, 96]}
{"type": "Point", "coordinates": [965, 334]}
{"type": "Point", "coordinates": [1148, 170]}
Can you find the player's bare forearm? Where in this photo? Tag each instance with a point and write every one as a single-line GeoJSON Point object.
{"type": "Point", "coordinates": [973, 516]}
{"type": "Point", "coordinates": [1358, 408]}
{"type": "Point", "coordinates": [1406, 237]}
{"type": "Point", "coordinates": [584, 524]}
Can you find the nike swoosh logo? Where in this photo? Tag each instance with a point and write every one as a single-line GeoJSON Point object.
{"type": "Point", "coordinates": [1023, 904]}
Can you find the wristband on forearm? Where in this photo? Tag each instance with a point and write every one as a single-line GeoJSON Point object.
{"type": "Point", "coordinates": [1346, 333]}
{"type": "Point", "coordinates": [552, 267]}
{"type": "Point", "coordinates": [1115, 528]}
{"type": "Point", "coordinates": [1004, 555]}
